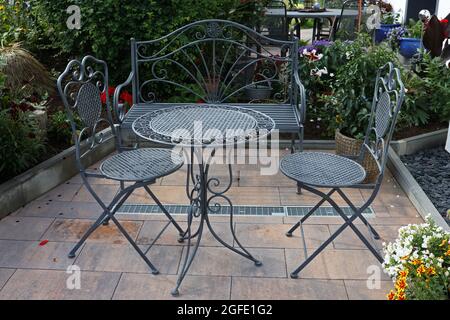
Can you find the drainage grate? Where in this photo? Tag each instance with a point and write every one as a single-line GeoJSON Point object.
{"type": "Point", "coordinates": [324, 211]}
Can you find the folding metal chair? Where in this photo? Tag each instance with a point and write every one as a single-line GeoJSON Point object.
{"type": "Point", "coordinates": [314, 170]}
{"type": "Point", "coordinates": [82, 86]}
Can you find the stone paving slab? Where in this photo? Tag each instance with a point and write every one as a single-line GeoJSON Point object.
{"type": "Point", "coordinates": [148, 287]}
{"type": "Point", "coordinates": [287, 289]}
{"type": "Point", "coordinates": [23, 228]}
{"type": "Point", "coordinates": [52, 285]}
{"type": "Point", "coordinates": [30, 255]}
{"type": "Point", "coordinates": [123, 258]}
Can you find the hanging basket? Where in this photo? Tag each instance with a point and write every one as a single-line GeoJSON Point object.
{"type": "Point", "coordinates": [349, 146]}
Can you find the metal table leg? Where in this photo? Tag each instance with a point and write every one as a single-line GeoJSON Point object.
{"type": "Point", "coordinates": [203, 201]}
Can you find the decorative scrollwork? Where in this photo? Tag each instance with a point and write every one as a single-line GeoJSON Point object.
{"type": "Point", "coordinates": [214, 61]}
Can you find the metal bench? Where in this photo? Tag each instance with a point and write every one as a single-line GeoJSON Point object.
{"type": "Point", "coordinates": [219, 62]}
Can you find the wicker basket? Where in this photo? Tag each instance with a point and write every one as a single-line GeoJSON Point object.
{"type": "Point", "coordinates": [349, 146]}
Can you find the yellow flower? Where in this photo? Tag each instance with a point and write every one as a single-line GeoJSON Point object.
{"type": "Point", "coordinates": [403, 273]}
{"type": "Point", "coordinates": [416, 262]}
{"type": "Point", "coordinates": [431, 271]}
{"type": "Point", "coordinates": [443, 243]}
{"type": "Point", "coordinates": [2, 7]}
{"type": "Point", "coordinates": [421, 269]}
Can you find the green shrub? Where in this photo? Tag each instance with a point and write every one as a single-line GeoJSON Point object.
{"type": "Point", "coordinates": [59, 130]}
{"type": "Point", "coordinates": [21, 144]}
{"type": "Point", "coordinates": [108, 25]}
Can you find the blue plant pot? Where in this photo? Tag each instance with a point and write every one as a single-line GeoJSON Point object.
{"type": "Point", "coordinates": [409, 46]}
{"type": "Point", "coordinates": [382, 32]}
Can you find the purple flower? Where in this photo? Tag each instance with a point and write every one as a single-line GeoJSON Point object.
{"type": "Point", "coordinates": [322, 43]}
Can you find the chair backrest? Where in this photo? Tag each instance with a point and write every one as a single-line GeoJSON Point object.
{"type": "Point", "coordinates": [275, 24]}
{"type": "Point", "coordinates": [213, 61]}
{"type": "Point", "coordinates": [83, 87]}
{"type": "Point", "coordinates": [388, 97]}
{"type": "Point", "coordinates": [346, 25]}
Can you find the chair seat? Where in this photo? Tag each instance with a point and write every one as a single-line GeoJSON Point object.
{"type": "Point", "coordinates": [141, 164]}
{"type": "Point", "coordinates": [322, 169]}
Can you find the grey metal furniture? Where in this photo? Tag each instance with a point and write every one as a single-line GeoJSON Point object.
{"type": "Point", "coordinates": [80, 86]}
{"type": "Point", "coordinates": [199, 130]}
{"type": "Point", "coordinates": [316, 170]}
{"type": "Point", "coordinates": [275, 24]}
{"type": "Point", "coordinates": [345, 27]}
{"type": "Point", "coordinates": [216, 61]}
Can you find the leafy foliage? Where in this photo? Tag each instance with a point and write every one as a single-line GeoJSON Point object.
{"type": "Point", "coordinates": [108, 25]}
{"type": "Point", "coordinates": [21, 144]}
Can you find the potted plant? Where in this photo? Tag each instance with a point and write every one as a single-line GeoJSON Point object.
{"type": "Point", "coordinates": [419, 263]}
{"type": "Point", "coordinates": [389, 20]}
{"type": "Point", "coordinates": [411, 44]}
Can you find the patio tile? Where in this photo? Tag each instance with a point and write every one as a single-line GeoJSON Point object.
{"type": "Point", "coordinates": [334, 264]}
{"type": "Point", "coordinates": [28, 254]}
{"type": "Point", "coordinates": [61, 209]}
{"type": "Point", "coordinates": [254, 196]}
{"type": "Point", "coordinates": [389, 198]}
{"type": "Point", "coordinates": [165, 194]}
{"type": "Point", "coordinates": [63, 192]}
{"type": "Point", "coordinates": [359, 290]}
{"type": "Point", "coordinates": [106, 192]}
{"type": "Point", "coordinates": [289, 197]}
{"type": "Point", "coordinates": [151, 229]}
{"type": "Point", "coordinates": [123, 258]}
{"type": "Point", "coordinates": [5, 274]}
{"type": "Point", "coordinates": [224, 262]}
{"type": "Point", "coordinates": [349, 240]}
{"type": "Point", "coordinates": [274, 236]}
{"type": "Point", "coordinates": [73, 229]}
{"type": "Point", "coordinates": [148, 287]}
{"type": "Point", "coordinates": [23, 228]}
{"type": "Point", "coordinates": [284, 289]}
{"type": "Point", "coordinates": [51, 285]}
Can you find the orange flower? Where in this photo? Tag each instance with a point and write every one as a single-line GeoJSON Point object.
{"type": "Point", "coordinates": [447, 253]}
{"type": "Point", "coordinates": [403, 273]}
{"type": "Point", "coordinates": [443, 243]}
{"type": "Point", "coordinates": [401, 296]}
{"type": "Point", "coordinates": [416, 262]}
{"type": "Point", "coordinates": [400, 284]}
{"type": "Point", "coordinates": [421, 269]}
{"type": "Point", "coordinates": [431, 271]}
{"type": "Point", "coordinates": [391, 295]}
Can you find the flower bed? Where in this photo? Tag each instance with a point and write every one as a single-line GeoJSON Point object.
{"type": "Point", "coordinates": [419, 263]}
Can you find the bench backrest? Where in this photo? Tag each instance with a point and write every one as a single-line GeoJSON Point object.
{"type": "Point", "coordinates": [213, 61]}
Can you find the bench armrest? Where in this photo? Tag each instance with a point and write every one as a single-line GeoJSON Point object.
{"type": "Point", "coordinates": [300, 102]}
{"type": "Point", "coordinates": [117, 106]}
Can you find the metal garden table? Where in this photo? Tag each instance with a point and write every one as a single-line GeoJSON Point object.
{"type": "Point", "coordinates": [327, 14]}
{"type": "Point", "coordinates": [198, 130]}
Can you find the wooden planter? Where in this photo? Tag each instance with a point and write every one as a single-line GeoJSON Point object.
{"type": "Point", "coordinates": [351, 147]}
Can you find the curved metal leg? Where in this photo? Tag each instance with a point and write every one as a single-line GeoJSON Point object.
{"type": "Point", "coordinates": [244, 251]}
{"type": "Point", "coordinates": [189, 258]}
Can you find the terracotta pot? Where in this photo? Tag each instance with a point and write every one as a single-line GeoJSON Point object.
{"type": "Point", "coordinates": [351, 147]}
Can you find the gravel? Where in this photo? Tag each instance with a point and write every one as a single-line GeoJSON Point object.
{"type": "Point", "coordinates": [431, 169]}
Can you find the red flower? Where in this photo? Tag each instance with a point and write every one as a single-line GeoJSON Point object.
{"type": "Point", "coordinates": [110, 93]}
{"type": "Point", "coordinates": [125, 96]}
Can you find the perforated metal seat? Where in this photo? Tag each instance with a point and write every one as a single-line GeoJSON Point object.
{"type": "Point", "coordinates": [141, 164]}
{"type": "Point", "coordinates": [322, 169]}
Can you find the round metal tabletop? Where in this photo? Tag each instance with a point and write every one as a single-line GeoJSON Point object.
{"type": "Point", "coordinates": [203, 125]}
